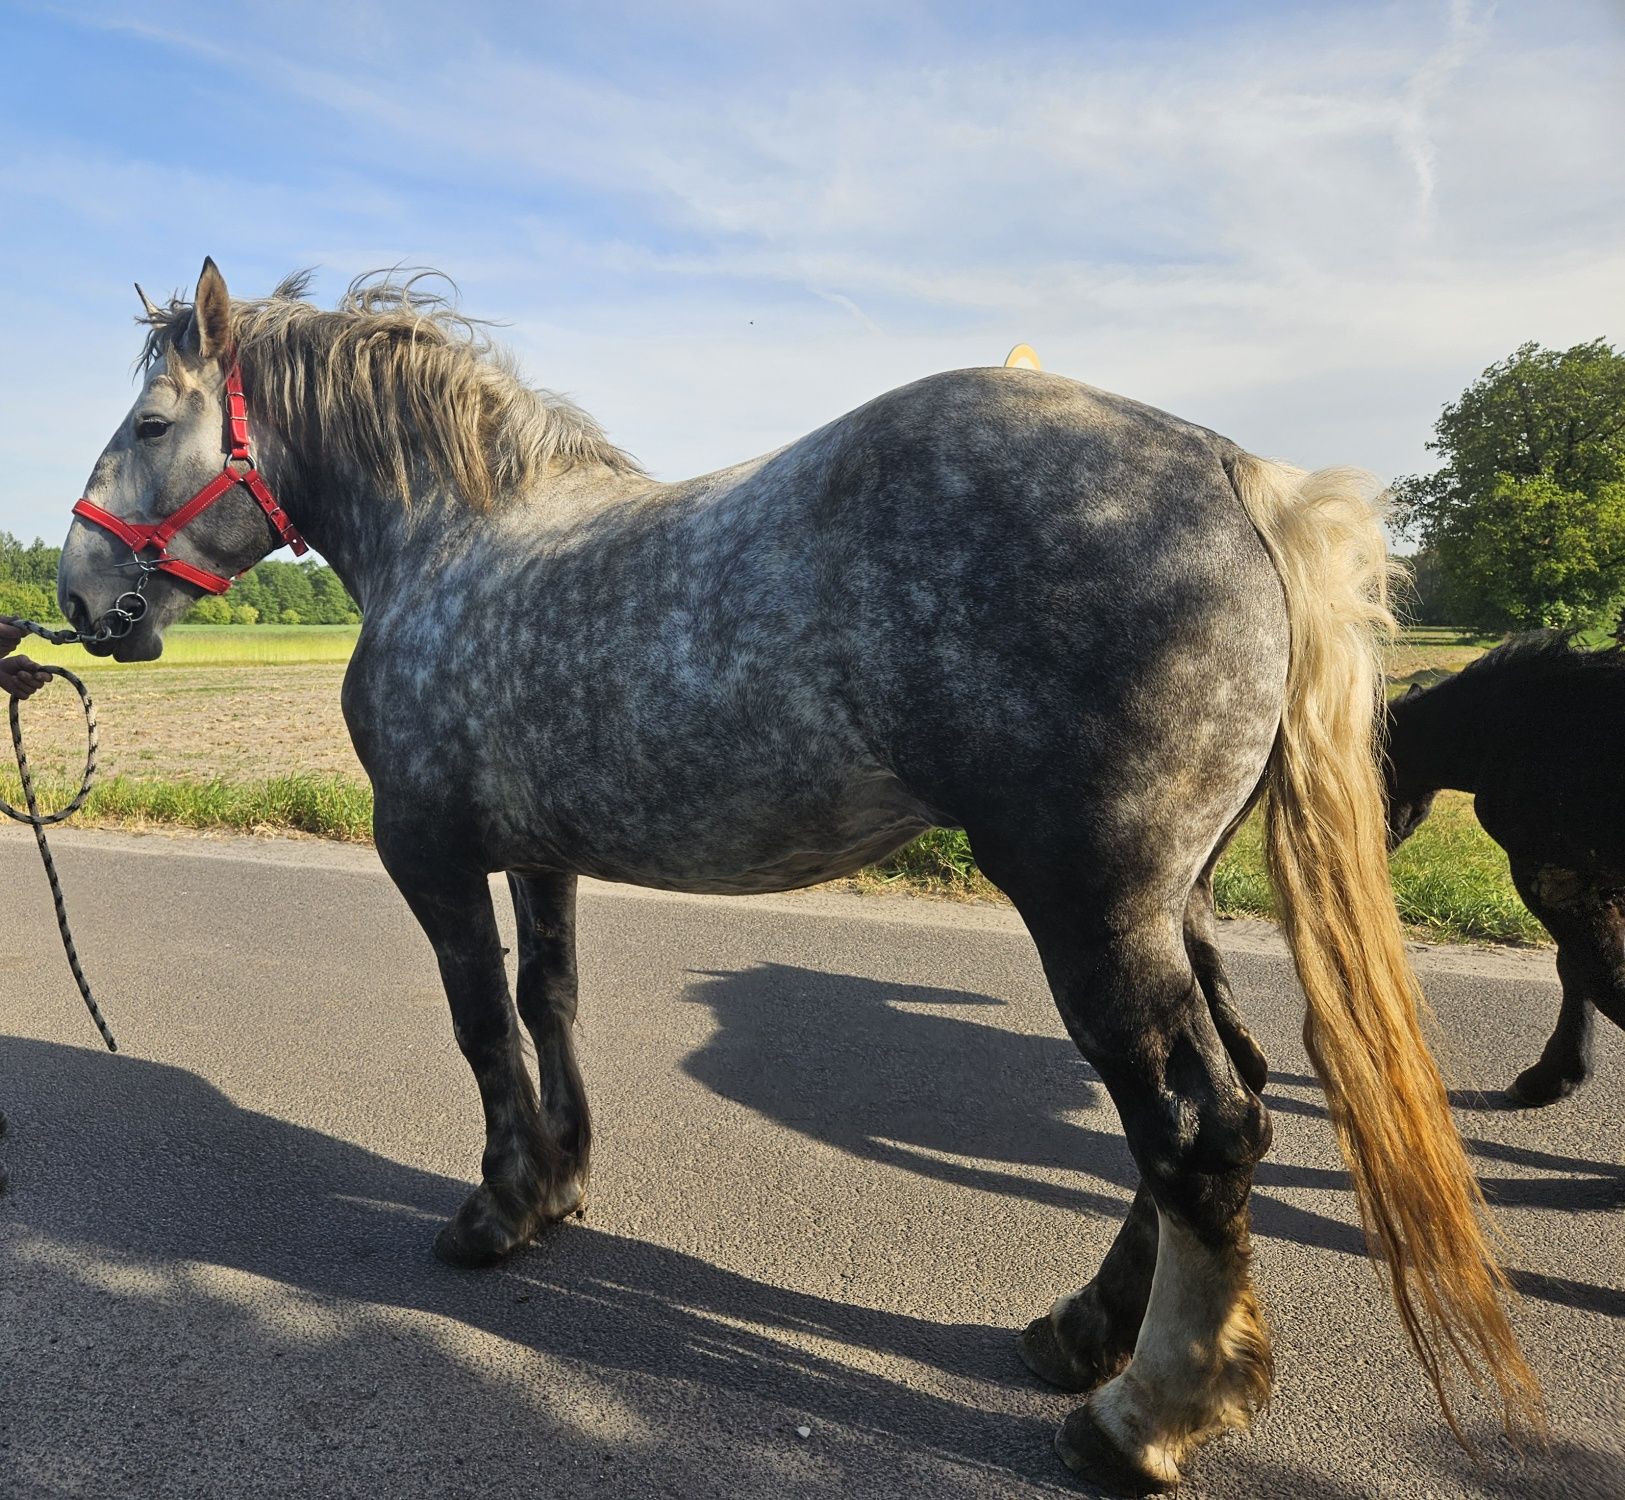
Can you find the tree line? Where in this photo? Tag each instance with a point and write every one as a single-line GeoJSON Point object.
{"type": "Point", "coordinates": [1523, 522]}
{"type": "Point", "coordinates": [269, 593]}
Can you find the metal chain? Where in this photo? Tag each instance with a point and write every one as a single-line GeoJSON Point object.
{"type": "Point", "coordinates": [38, 821]}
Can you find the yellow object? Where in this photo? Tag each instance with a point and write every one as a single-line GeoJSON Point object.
{"type": "Point", "coordinates": [1022, 357]}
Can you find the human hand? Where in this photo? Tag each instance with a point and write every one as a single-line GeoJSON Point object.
{"type": "Point", "coordinates": [9, 636]}
{"type": "Point", "coordinates": [21, 677]}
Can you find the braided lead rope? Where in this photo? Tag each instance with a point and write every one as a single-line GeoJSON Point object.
{"type": "Point", "coordinates": [45, 633]}
{"type": "Point", "coordinates": [38, 821]}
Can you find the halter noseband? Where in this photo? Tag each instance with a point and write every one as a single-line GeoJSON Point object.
{"type": "Point", "coordinates": [239, 468]}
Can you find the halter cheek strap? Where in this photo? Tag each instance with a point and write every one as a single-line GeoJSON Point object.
{"type": "Point", "coordinates": [140, 536]}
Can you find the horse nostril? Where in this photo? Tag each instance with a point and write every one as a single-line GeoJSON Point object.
{"type": "Point", "coordinates": [78, 613]}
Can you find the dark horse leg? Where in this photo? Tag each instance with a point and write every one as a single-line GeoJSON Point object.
{"type": "Point", "coordinates": [526, 1179]}
{"type": "Point", "coordinates": [1588, 926]}
{"type": "Point", "coordinates": [1086, 1338]}
{"type": "Point", "coordinates": [1202, 944]}
{"type": "Point", "coordinates": [1200, 1360]}
{"type": "Point", "coordinates": [544, 907]}
{"type": "Point", "coordinates": [1089, 1336]}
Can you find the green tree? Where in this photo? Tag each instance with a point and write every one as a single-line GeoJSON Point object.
{"type": "Point", "coordinates": [1420, 597]}
{"type": "Point", "coordinates": [211, 609]}
{"type": "Point", "coordinates": [309, 590]}
{"type": "Point", "coordinates": [334, 606]}
{"type": "Point", "coordinates": [31, 568]}
{"type": "Point", "coordinates": [26, 599]}
{"type": "Point", "coordinates": [1525, 516]}
{"type": "Point", "coordinates": [1537, 554]}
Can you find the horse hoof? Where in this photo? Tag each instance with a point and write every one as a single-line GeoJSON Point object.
{"type": "Point", "coordinates": [1040, 1350]}
{"type": "Point", "coordinates": [1535, 1088]}
{"type": "Point", "coordinates": [567, 1201]}
{"type": "Point", "coordinates": [1086, 1448]}
{"type": "Point", "coordinates": [454, 1247]}
{"type": "Point", "coordinates": [1251, 1063]}
{"type": "Point", "coordinates": [478, 1236]}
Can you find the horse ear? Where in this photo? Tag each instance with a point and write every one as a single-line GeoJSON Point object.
{"type": "Point", "coordinates": [211, 315]}
{"type": "Point", "coordinates": [1413, 691]}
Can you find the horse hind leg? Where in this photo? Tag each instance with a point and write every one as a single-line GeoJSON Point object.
{"type": "Point", "coordinates": [1201, 1357]}
{"type": "Point", "coordinates": [1202, 947]}
{"type": "Point", "coordinates": [1089, 1336]}
{"type": "Point", "coordinates": [545, 919]}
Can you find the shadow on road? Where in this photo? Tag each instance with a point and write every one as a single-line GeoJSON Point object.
{"type": "Point", "coordinates": [172, 1174]}
{"type": "Point", "coordinates": [860, 1065]}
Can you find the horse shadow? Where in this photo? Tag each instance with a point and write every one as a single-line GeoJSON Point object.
{"type": "Point", "coordinates": [132, 1170]}
{"type": "Point", "coordinates": [914, 1077]}
{"type": "Point", "coordinates": [163, 1173]}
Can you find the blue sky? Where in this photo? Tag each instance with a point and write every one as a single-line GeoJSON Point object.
{"type": "Point", "coordinates": [719, 224]}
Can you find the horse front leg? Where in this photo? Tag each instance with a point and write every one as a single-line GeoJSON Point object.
{"type": "Point", "coordinates": [453, 906]}
{"type": "Point", "coordinates": [544, 907]}
{"type": "Point", "coordinates": [1588, 962]}
{"type": "Point", "coordinates": [1565, 1060]}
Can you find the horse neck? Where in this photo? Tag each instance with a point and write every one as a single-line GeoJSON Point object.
{"type": "Point", "coordinates": [1437, 736]}
{"type": "Point", "coordinates": [363, 534]}
{"type": "Point", "coordinates": [382, 546]}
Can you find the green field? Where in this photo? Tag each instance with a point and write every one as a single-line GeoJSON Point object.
{"type": "Point", "coordinates": [220, 646]}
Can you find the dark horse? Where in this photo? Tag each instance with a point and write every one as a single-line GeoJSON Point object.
{"type": "Point", "coordinates": [1087, 632]}
{"type": "Point", "coordinates": [1533, 729]}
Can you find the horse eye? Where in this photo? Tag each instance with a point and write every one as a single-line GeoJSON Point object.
{"type": "Point", "coordinates": [151, 427]}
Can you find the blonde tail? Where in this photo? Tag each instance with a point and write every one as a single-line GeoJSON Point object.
{"type": "Point", "coordinates": [1419, 1200]}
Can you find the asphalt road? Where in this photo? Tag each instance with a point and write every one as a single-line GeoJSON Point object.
{"type": "Point", "coordinates": [843, 1151]}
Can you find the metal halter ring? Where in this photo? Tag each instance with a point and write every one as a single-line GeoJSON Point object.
{"type": "Point", "coordinates": [119, 621]}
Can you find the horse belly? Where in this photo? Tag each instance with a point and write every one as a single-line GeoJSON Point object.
{"type": "Point", "coordinates": [747, 830]}
{"type": "Point", "coordinates": [797, 864]}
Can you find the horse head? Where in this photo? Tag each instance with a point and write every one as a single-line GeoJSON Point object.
{"type": "Point", "coordinates": [145, 542]}
{"type": "Point", "coordinates": [1406, 797]}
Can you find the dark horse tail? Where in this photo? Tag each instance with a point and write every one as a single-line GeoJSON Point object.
{"type": "Point", "coordinates": [1419, 1201]}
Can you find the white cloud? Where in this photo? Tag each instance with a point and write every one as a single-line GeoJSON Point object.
{"type": "Point", "coordinates": [1310, 230]}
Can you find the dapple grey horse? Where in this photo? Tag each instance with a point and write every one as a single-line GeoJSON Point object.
{"type": "Point", "coordinates": [1090, 634]}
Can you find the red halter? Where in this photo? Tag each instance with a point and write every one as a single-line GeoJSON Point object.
{"type": "Point", "coordinates": [139, 536]}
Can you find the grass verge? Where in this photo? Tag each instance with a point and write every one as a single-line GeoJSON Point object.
{"type": "Point", "coordinates": [1450, 880]}
{"type": "Point", "coordinates": [331, 807]}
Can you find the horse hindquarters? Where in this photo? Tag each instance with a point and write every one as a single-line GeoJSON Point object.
{"type": "Point", "coordinates": [1104, 896]}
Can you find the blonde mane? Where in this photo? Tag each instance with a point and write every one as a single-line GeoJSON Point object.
{"type": "Point", "coordinates": [397, 386]}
